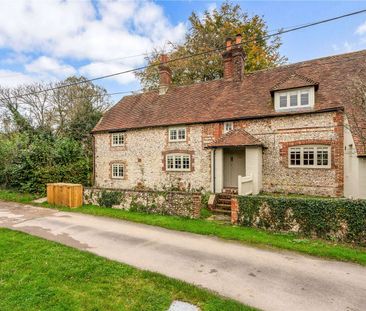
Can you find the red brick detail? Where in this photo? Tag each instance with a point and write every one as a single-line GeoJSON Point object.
{"type": "Point", "coordinates": [196, 200]}
{"type": "Point", "coordinates": [234, 211]}
{"type": "Point", "coordinates": [181, 151]}
{"type": "Point", "coordinates": [286, 145]}
{"type": "Point", "coordinates": [339, 152]}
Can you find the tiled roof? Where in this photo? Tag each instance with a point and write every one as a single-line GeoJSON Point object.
{"type": "Point", "coordinates": [294, 81]}
{"type": "Point", "coordinates": [221, 100]}
{"type": "Point", "coordinates": [236, 138]}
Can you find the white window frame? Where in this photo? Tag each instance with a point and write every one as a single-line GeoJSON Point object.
{"type": "Point", "coordinates": [228, 126]}
{"type": "Point", "coordinates": [174, 157]}
{"type": "Point", "coordinates": [118, 138]}
{"type": "Point", "coordinates": [316, 148]}
{"type": "Point", "coordinates": [117, 166]}
{"type": "Point", "coordinates": [176, 130]}
{"type": "Point", "coordinates": [297, 92]}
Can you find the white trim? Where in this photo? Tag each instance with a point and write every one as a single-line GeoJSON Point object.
{"type": "Point", "coordinates": [315, 148]}
{"type": "Point", "coordinates": [118, 135]}
{"type": "Point", "coordinates": [177, 129]}
{"type": "Point", "coordinates": [118, 165]}
{"type": "Point", "coordinates": [231, 127]}
{"type": "Point", "coordinates": [297, 92]}
{"type": "Point", "coordinates": [180, 156]}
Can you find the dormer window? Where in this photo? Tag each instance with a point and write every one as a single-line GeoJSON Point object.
{"type": "Point", "coordinates": [228, 126]}
{"type": "Point", "coordinates": [294, 99]}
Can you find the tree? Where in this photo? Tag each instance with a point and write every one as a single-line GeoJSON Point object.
{"type": "Point", "coordinates": [45, 132]}
{"type": "Point", "coordinates": [70, 107]}
{"type": "Point", "coordinates": [210, 32]}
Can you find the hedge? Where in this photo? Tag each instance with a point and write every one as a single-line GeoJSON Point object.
{"type": "Point", "coordinates": [334, 219]}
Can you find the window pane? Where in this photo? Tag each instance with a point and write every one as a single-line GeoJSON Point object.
{"type": "Point", "coordinates": [228, 126]}
{"type": "Point", "coordinates": [178, 162]}
{"type": "Point", "coordinates": [173, 134]}
{"type": "Point", "coordinates": [170, 162]}
{"type": "Point", "coordinates": [117, 139]}
{"type": "Point", "coordinates": [304, 99]}
{"type": "Point", "coordinates": [186, 162]}
{"type": "Point", "coordinates": [308, 156]}
{"type": "Point", "coordinates": [293, 100]}
{"type": "Point", "coordinates": [182, 134]}
{"type": "Point", "coordinates": [322, 156]}
{"type": "Point", "coordinates": [283, 101]}
{"type": "Point", "coordinates": [117, 170]}
{"type": "Point", "coordinates": [295, 156]}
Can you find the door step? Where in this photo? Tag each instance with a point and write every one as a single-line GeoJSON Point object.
{"type": "Point", "coordinates": [220, 218]}
{"type": "Point", "coordinates": [230, 190]}
{"type": "Point", "coordinates": [223, 204]}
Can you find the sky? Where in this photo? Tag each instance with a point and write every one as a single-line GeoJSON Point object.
{"type": "Point", "coordinates": [49, 40]}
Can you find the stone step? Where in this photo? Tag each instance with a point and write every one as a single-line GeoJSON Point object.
{"type": "Point", "coordinates": [223, 206]}
{"type": "Point", "coordinates": [224, 196]}
{"type": "Point", "coordinates": [224, 201]}
{"type": "Point", "coordinates": [221, 211]}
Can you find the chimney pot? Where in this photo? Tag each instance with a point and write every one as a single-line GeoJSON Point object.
{"type": "Point", "coordinates": [163, 58]}
{"type": "Point", "coordinates": [228, 44]}
{"type": "Point", "coordinates": [238, 39]}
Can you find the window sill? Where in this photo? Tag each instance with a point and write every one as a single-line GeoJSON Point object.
{"type": "Point", "coordinates": [311, 167]}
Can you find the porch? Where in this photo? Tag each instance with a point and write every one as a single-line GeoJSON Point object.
{"type": "Point", "coordinates": [236, 161]}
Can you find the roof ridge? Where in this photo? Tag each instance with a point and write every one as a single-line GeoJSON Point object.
{"type": "Point", "coordinates": [307, 61]}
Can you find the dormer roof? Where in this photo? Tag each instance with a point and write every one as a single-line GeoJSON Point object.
{"type": "Point", "coordinates": [293, 81]}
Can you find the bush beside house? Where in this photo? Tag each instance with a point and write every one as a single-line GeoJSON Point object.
{"type": "Point", "coordinates": [334, 219]}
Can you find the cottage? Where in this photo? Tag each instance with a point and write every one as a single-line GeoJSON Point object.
{"type": "Point", "coordinates": [282, 129]}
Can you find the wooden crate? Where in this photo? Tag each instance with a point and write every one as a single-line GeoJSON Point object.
{"type": "Point", "coordinates": [70, 195]}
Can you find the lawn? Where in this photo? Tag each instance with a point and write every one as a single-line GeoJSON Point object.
{"type": "Point", "coordinates": [37, 274]}
{"type": "Point", "coordinates": [251, 236]}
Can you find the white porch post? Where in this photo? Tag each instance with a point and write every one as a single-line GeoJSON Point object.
{"type": "Point", "coordinates": [217, 169]}
{"type": "Point", "coordinates": [253, 166]}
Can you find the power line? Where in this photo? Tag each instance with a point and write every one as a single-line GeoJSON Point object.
{"type": "Point", "coordinates": [195, 54]}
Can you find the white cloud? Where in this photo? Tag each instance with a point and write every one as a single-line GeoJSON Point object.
{"type": "Point", "coordinates": [361, 30]}
{"type": "Point", "coordinates": [10, 78]}
{"type": "Point", "coordinates": [85, 31]}
{"type": "Point", "coordinates": [48, 66]}
{"type": "Point", "coordinates": [98, 69]}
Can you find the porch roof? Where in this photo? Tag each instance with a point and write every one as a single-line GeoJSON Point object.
{"type": "Point", "coordinates": [235, 138]}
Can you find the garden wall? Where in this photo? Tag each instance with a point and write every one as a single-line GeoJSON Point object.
{"type": "Point", "coordinates": [184, 204]}
{"type": "Point", "coordinates": [333, 219]}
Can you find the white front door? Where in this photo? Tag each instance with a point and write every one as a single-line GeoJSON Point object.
{"type": "Point", "coordinates": [234, 165]}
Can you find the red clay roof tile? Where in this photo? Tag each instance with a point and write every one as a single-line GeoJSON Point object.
{"type": "Point", "coordinates": [221, 100]}
{"type": "Point", "coordinates": [236, 138]}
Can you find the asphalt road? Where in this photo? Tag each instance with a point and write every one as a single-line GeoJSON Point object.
{"type": "Point", "coordinates": [265, 279]}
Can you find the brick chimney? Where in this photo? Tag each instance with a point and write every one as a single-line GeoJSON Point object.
{"type": "Point", "coordinates": [234, 58]}
{"type": "Point", "coordinates": [165, 74]}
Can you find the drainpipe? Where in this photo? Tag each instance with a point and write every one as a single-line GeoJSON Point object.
{"type": "Point", "coordinates": [214, 170]}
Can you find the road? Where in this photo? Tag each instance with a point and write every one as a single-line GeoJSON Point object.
{"type": "Point", "coordinates": [265, 279]}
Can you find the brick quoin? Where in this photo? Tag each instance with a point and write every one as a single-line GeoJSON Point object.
{"type": "Point", "coordinates": [234, 211]}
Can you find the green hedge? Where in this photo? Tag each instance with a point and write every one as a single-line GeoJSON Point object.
{"type": "Point", "coordinates": [335, 219]}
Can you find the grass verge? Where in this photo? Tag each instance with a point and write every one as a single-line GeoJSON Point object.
{"type": "Point", "coordinates": [252, 236]}
{"type": "Point", "coordinates": [37, 274]}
